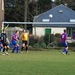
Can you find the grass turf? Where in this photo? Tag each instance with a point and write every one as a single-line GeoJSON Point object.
{"type": "Point", "coordinates": [38, 63]}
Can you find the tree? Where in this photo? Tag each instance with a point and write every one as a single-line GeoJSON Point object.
{"type": "Point", "coordinates": [69, 3]}
{"type": "Point", "coordinates": [44, 5]}
{"type": "Point", "coordinates": [25, 12]}
{"type": "Point", "coordinates": [14, 10]}
{"type": "Point", "coordinates": [33, 8]}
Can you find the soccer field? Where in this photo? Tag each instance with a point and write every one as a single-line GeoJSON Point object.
{"type": "Point", "coordinates": [38, 63]}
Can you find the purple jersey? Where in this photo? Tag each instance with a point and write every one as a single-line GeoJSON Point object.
{"type": "Point", "coordinates": [64, 37]}
{"type": "Point", "coordinates": [73, 37]}
{"type": "Point", "coordinates": [15, 37]}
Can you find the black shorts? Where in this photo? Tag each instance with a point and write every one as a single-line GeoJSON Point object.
{"type": "Point", "coordinates": [24, 42]}
{"type": "Point", "coordinates": [5, 44]}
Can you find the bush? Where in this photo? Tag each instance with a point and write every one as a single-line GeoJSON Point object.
{"type": "Point", "coordinates": [51, 37]}
{"type": "Point", "coordinates": [58, 39]}
{"type": "Point", "coordinates": [40, 45]}
{"type": "Point", "coordinates": [71, 44]}
{"type": "Point", "coordinates": [36, 45]}
{"type": "Point", "coordinates": [58, 35]}
{"type": "Point", "coordinates": [48, 38]}
{"type": "Point", "coordinates": [33, 40]}
{"type": "Point", "coordinates": [43, 45]}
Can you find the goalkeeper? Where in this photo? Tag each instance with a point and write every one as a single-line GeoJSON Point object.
{"type": "Point", "coordinates": [25, 38]}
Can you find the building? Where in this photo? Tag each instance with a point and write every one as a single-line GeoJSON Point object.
{"type": "Point", "coordinates": [59, 14]}
{"type": "Point", "coordinates": [1, 12]}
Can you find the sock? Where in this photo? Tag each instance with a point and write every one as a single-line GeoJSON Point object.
{"type": "Point", "coordinates": [3, 49]}
{"type": "Point", "coordinates": [26, 48]}
{"type": "Point", "coordinates": [22, 48]}
{"type": "Point", "coordinates": [7, 49]}
{"type": "Point", "coordinates": [64, 50]}
{"type": "Point", "coordinates": [13, 49]}
{"type": "Point", "coordinates": [17, 48]}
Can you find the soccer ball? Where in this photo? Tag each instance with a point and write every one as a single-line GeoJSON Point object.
{"type": "Point", "coordinates": [50, 15]}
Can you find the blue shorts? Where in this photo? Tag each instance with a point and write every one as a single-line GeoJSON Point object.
{"type": "Point", "coordinates": [0, 42]}
{"type": "Point", "coordinates": [64, 44]}
{"type": "Point", "coordinates": [14, 42]}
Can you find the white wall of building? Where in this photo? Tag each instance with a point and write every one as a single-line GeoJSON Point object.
{"type": "Point", "coordinates": [40, 31]}
{"type": "Point", "coordinates": [57, 30]}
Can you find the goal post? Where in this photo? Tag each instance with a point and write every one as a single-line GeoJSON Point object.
{"type": "Point", "coordinates": [44, 23]}
{"type": "Point", "coordinates": [41, 24]}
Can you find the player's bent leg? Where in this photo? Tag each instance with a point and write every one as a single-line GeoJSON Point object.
{"type": "Point", "coordinates": [27, 48]}
{"type": "Point", "coordinates": [17, 48]}
{"type": "Point", "coordinates": [23, 45]}
{"type": "Point", "coordinates": [67, 51]}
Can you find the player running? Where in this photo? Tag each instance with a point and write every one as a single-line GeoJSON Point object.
{"type": "Point", "coordinates": [15, 39]}
{"type": "Point", "coordinates": [5, 42]}
{"type": "Point", "coordinates": [64, 42]}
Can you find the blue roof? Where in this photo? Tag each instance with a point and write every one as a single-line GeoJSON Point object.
{"type": "Point", "coordinates": [59, 13]}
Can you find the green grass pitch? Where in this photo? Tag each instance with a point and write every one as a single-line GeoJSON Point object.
{"type": "Point", "coordinates": [38, 63]}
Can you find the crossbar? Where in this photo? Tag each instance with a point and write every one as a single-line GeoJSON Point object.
{"type": "Point", "coordinates": [44, 23]}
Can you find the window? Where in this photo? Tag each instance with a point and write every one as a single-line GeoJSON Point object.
{"type": "Point", "coordinates": [45, 20]}
{"type": "Point", "coordinates": [72, 20]}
